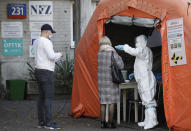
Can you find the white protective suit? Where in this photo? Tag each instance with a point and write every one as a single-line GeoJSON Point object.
{"type": "Point", "coordinates": [145, 79]}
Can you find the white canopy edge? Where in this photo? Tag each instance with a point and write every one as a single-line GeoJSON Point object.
{"type": "Point", "coordinates": [137, 21]}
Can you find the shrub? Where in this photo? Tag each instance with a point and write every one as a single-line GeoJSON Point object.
{"type": "Point", "coordinates": [31, 72]}
{"type": "Point", "coordinates": [64, 74]}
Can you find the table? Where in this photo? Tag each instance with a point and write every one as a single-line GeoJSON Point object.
{"type": "Point", "coordinates": [123, 87]}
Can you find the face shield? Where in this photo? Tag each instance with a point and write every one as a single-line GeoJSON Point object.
{"type": "Point", "coordinates": [141, 41]}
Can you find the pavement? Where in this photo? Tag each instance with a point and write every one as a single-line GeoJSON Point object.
{"type": "Point", "coordinates": [21, 116]}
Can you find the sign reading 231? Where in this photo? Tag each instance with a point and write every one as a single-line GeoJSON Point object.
{"type": "Point", "coordinates": [17, 11]}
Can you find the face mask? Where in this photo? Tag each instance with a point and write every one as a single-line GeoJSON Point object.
{"type": "Point", "coordinates": [137, 44]}
{"type": "Point", "coordinates": [50, 36]}
{"type": "Point", "coordinates": [140, 42]}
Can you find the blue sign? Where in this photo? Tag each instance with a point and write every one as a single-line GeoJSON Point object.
{"type": "Point", "coordinates": [12, 47]}
{"type": "Point", "coordinates": [17, 11]}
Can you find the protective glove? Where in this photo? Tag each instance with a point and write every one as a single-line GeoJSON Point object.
{"type": "Point", "coordinates": [131, 76]}
{"type": "Point", "coordinates": [119, 47]}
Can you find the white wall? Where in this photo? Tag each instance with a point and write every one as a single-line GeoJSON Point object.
{"type": "Point", "coordinates": [87, 9]}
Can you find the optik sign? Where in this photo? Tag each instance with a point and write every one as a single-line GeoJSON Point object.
{"type": "Point", "coordinates": [12, 47]}
{"type": "Point", "coordinates": [40, 11]}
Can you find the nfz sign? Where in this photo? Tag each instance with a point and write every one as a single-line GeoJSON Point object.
{"type": "Point", "coordinates": [40, 11]}
{"type": "Point", "coordinates": [17, 11]}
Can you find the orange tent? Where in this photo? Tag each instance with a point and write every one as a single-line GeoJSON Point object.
{"type": "Point", "coordinates": [176, 79]}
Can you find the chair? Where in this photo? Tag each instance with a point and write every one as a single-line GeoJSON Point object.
{"type": "Point", "coordinates": [142, 109]}
{"type": "Point", "coordinates": [159, 85]}
{"type": "Point", "coordinates": [131, 76]}
{"type": "Point", "coordinates": [130, 105]}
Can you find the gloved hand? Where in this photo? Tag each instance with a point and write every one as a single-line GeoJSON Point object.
{"type": "Point", "coordinates": [119, 47]}
{"type": "Point", "coordinates": [131, 76]}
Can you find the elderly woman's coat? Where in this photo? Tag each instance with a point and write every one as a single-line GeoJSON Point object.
{"type": "Point", "coordinates": [108, 91]}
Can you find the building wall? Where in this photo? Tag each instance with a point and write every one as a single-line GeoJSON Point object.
{"type": "Point", "coordinates": [86, 14]}
{"type": "Point", "coordinates": [15, 67]}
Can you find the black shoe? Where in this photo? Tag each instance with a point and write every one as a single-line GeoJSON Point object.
{"type": "Point", "coordinates": [111, 125]}
{"type": "Point", "coordinates": [41, 124]}
{"type": "Point", "coordinates": [52, 126]}
{"type": "Point", "coordinates": [103, 124]}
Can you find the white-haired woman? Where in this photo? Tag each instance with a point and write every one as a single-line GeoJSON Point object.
{"type": "Point", "coordinates": [108, 91]}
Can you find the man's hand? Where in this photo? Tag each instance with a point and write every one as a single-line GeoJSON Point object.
{"type": "Point", "coordinates": [119, 47]}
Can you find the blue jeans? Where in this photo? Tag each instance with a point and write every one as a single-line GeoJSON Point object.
{"type": "Point", "coordinates": [45, 82]}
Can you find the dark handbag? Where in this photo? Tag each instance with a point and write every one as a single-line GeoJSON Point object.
{"type": "Point", "coordinates": [117, 76]}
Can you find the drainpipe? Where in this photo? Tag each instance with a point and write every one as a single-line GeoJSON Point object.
{"type": "Point", "coordinates": [77, 18]}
